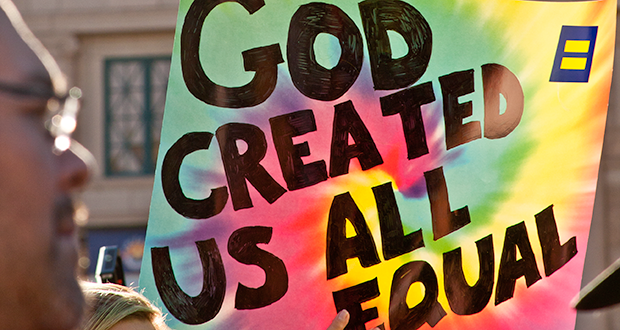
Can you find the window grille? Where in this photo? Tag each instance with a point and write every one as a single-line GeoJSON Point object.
{"type": "Point", "coordinates": [135, 91]}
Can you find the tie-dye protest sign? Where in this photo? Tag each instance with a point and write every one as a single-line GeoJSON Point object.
{"type": "Point", "coordinates": [419, 163]}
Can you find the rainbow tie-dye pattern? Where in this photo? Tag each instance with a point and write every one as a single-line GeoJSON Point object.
{"type": "Point", "coordinates": [551, 158]}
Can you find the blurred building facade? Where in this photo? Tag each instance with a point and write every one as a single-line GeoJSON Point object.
{"type": "Point", "coordinates": [118, 52]}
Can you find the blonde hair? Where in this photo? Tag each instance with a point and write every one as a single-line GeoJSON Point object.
{"type": "Point", "coordinates": [108, 304]}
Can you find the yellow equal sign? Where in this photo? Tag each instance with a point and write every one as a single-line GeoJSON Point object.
{"type": "Point", "coordinates": [573, 58]}
{"type": "Point", "coordinates": [575, 63]}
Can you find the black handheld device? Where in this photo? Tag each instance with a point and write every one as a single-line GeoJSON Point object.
{"type": "Point", "coordinates": [109, 266]}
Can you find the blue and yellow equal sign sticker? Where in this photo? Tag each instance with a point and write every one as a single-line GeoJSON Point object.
{"type": "Point", "coordinates": [573, 58]}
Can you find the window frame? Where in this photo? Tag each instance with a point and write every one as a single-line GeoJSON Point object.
{"type": "Point", "coordinates": [146, 62]}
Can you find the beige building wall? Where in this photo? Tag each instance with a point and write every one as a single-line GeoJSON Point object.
{"type": "Point", "coordinates": [82, 33]}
